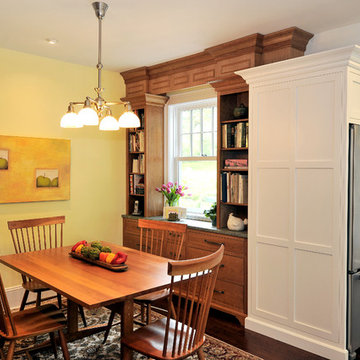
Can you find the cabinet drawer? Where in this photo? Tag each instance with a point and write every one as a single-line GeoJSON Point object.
{"type": "Point", "coordinates": [231, 268]}
{"type": "Point", "coordinates": [131, 226]}
{"type": "Point", "coordinates": [229, 295]}
{"type": "Point", "coordinates": [208, 241]}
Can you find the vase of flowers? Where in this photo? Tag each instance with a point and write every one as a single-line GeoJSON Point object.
{"type": "Point", "coordinates": [173, 192]}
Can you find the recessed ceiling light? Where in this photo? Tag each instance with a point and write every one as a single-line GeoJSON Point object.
{"type": "Point", "coordinates": [52, 41]}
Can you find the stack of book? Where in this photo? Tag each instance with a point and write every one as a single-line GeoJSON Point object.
{"type": "Point", "coordinates": [136, 184]}
{"type": "Point", "coordinates": [235, 135]}
{"type": "Point", "coordinates": [235, 163]}
{"type": "Point", "coordinates": [234, 188]}
{"type": "Point", "coordinates": [136, 141]}
{"type": "Point", "coordinates": [138, 166]}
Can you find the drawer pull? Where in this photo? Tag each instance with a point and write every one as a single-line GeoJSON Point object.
{"type": "Point", "coordinates": [222, 265]}
{"type": "Point", "coordinates": [219, 291]}
{"type": "Point", "coordinates": [213, 242]}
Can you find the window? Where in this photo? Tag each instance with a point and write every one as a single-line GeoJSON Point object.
{"type": "Point", "coordinates": [192, 154]}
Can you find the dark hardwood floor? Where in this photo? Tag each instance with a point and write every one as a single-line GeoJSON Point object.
{"type": "Point", "coordinates": [227, 328]}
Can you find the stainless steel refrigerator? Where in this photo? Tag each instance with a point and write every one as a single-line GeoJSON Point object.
{"type": "Point", "coordinates": [353, 296]}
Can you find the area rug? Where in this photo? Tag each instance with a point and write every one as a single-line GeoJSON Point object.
{"type": "Point", "coordinates": [91, 348]}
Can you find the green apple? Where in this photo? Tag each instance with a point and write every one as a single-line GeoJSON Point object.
{"type": "Point", "coordinates": [55, 182]}
{"type": "Point", "coordinates": [3, 163]}
{"type": "Point", "coordinates": [43, 181]}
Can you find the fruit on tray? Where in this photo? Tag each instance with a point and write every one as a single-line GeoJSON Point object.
{"type": "Point", "coordinates": [114, 259]}
{"type": "Point", "coordinates": [83, 242]}
{"type": "Point", "coordinates": [94, 253]}
{"type": "Point", "coordinates": [96, 244]}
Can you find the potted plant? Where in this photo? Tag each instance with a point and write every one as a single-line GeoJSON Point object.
{"type": "Point", "coordinates": [172, 193]}
{"type": "Point", "coordinates": [211, 214]}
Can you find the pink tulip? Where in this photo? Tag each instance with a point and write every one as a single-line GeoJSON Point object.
{"type": "Point", "coordinates": [158, 189]}
{"type": "Point", "coordinates": [182, 194]}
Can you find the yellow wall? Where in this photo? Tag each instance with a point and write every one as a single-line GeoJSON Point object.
{"type": "Point", "coordinates": [35, 92]}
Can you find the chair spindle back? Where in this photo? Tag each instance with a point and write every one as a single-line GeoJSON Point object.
{"type": "Point", "coordinates": [193, 282]}
{"type": "Point", "coordinates": [37, 234]}
{"type": "Point", "coordinates": [161, 238]}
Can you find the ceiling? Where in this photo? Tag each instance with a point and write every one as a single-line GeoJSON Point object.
{"type": "Point", "coordinates": [145, 32]}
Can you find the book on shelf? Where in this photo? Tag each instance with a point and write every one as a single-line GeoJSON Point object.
{"type": "Point", "coordinates": [234, 188]}
{"type": "Point", "coordinates": [235, 135]}
{"type": "Point", "coordinates": [136, 141]}
{"type": "Point", "coordinates": [236, 163]}
{"type": "Point", "coordinates": [138, 164]}
{"type": "Point", "coordinates": [136, 184]}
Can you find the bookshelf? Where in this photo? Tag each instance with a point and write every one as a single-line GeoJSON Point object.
{"type": "Point", "coordinates": [233, 143]}
{"type": "Point", "coordinates": [145, 155]}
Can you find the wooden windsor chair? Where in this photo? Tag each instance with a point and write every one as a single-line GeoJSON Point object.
{"type": "Point", "coordinates": [193, 282]}
{"type": "Point", "coordinates": [160, 238]}
{"type": "Point", "coordinates": [30, 322]}
{"type": "Point", "coordinates": [37, 234]}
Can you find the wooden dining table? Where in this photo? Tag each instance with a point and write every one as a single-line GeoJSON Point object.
{"type": "Point", "coordinates": [92, 286]}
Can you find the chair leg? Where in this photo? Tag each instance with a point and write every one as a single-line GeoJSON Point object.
{"type": "Point", "coordinates": [200, 354]}
{"type": "Point", "coordinates": [38, 299]}
{"type": "Point", "coordinates": [148, 314]}
{"type": "Point", "coordinates": [63, 345]}
{"type": "Point", "coordinates": [111, 319]}
{"type": "Point", "coordinates": [53, 344]}
{"type": "Point", "coordinates": [2, 342]}
{"type": "Point", "coordinates": [10, 353]}
{"type": "Point", "coordinates": [24, 299]}
{"type": "Point", "coordinates": [142, 313]}
{"type": "Point", "coordinates": [59, 300]}
{"type": "Point", "coordinates": [82, 314]}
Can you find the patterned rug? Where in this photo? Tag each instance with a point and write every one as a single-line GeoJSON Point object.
{"type": "Point", "coordinates": [91, 348]}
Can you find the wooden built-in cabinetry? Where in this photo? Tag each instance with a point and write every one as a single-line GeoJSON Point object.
{"type": "Point", "coordinates": [146, 145]}
{"type": "Point", "coordinates": [233, 181]}
{"type": "Point", "coordinates": [230, 294]}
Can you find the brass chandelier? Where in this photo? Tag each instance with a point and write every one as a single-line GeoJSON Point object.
{"type": "Point", "coordinates": [98, 109]}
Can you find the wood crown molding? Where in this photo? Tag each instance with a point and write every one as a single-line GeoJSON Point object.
{"type": "Point", "coordinates": [142, 100]}
{"type": "Point", "coordinates": [217, 63]}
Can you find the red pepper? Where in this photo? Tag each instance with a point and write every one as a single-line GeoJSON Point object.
{"type": "Point", "coordinates": [84, 242]}
{"type": "Point", "coordinates": [103, 256]}
{"type": "Point", "coordinates": [119, 258]}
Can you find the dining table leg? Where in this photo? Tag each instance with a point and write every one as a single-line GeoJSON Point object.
{"type": "Point", "coordinates": [127, 316]}
{"type": "Point", "coordinates": [72, 317]}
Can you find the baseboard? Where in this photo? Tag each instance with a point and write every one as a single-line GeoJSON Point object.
{"type": "Point", "coordinates": [300, 341]}
{"type": "Point", "coordinates": [15, 294]}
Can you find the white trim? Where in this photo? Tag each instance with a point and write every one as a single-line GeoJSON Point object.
{"type": "Point", "coordinates": [310, 344]}
{"type": "Point", "coordinates": [322, 61]}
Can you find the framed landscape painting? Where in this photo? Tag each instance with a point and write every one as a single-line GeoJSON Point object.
{"type": "Point", "coordinates": [37, 169]}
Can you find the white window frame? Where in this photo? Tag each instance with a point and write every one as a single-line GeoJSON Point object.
{"type": "Point", "coordinates": [198, 98]}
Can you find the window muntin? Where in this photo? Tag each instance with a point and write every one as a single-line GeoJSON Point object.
{"type": "Point", "coordinates": [194, 156]}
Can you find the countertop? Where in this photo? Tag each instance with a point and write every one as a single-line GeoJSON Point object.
{"type": "Point", "coordinates": [197, 225]}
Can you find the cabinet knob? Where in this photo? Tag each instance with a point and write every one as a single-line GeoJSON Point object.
{"type": "Point", "coordinates": [219, 291]}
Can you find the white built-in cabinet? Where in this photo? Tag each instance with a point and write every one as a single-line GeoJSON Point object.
{"type": "Point", "coordinates": [297, 238]}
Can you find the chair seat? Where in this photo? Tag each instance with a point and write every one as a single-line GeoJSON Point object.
{"type": "Point", "coordinates": [34, 286]}
{"type": "Point", "coordinates": [149, 340]}
{"type": "Point", "coordinates": [154, 296]}
{"type": "Point", "coordinates": [37, 321]}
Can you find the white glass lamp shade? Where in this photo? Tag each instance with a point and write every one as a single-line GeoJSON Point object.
{"type": "Point", "coordinates": [129, 120]}
{"type": "Point", "coordinates": [70, 120]}
{"type": "Point", "coordinates": [109, 123]}
{"type": "Point", "coordinates": [88, 116]}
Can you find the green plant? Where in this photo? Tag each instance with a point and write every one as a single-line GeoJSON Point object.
{"type": "Point", "coordinates": [211, 213]}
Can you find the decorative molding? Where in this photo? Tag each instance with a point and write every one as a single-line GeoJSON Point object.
{"type": "Point", "coordinates": [139, 101]}
{"type": "Point", "coordinates": [320, 347]}
{"type": "Point", "coordinates": [322, 61]}
{"type": "Point", "coordinates": [217, 63]}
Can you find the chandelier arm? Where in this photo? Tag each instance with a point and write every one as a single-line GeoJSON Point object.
{"type": "Point", "coordinates": [99, 64]}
